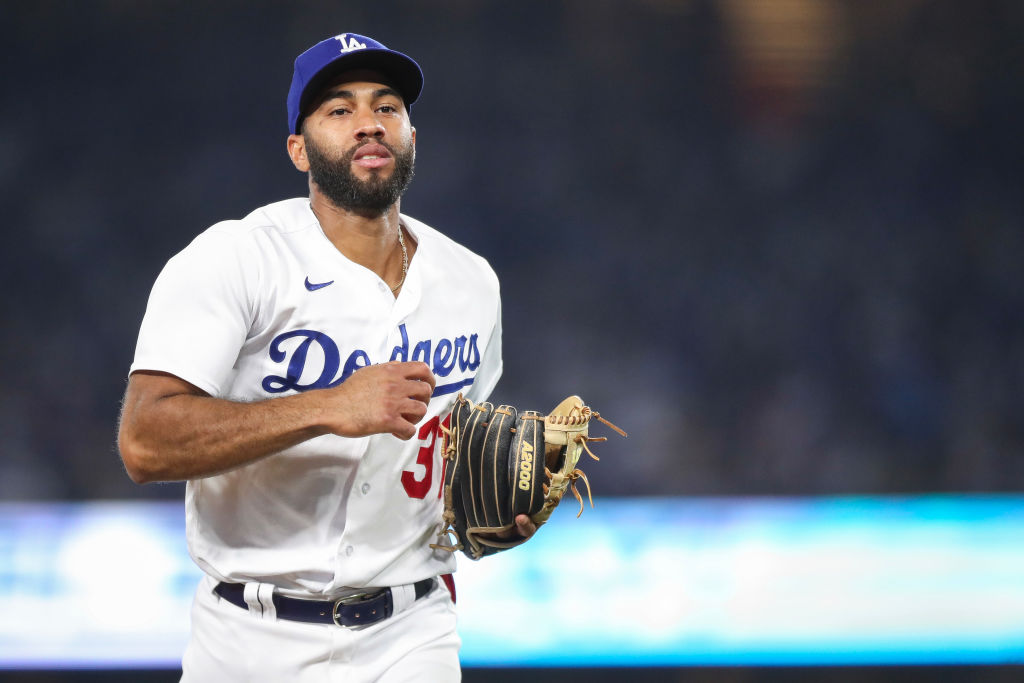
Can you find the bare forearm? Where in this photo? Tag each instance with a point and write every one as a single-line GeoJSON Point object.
{"type": "Point", "coordinates": [171, 430]}
{"type": "Point", "coordinates": [187, 436]}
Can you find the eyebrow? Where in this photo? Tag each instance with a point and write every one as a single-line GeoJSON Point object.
{"type": "Point", "coordinates": [349, 95]}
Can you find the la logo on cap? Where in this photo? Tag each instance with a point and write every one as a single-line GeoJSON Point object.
{"type": "Point", "coordinates": [349, 44]}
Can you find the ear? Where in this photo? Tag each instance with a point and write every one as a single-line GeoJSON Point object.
{"type": "Point", "coordinates": [297, 152]}
{"type": "Point", "coordinates": [413, 135]}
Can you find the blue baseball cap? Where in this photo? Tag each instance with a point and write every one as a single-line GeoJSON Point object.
{"type": "Point", "coordinates": [348, 51]}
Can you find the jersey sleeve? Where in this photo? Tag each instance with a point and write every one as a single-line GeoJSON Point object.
{"type": "Point", "coordinates": [199, 313]}
{"type": "Point", "coordinates": [491, 364]}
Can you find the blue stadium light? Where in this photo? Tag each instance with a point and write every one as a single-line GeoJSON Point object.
{"type": "Point", "coordinates": [634, 582]}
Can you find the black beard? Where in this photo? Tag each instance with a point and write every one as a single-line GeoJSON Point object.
{"type": "Point", "coordinates": [371, 197]}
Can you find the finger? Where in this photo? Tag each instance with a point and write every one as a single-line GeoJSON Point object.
{"type": "Point", "coordinates": [419, 371]}
{"type": "Point", "coordinates": [525, 526]}
{"type": "Point", "coordinates": [419, 391]}
{"type": "Point", "coordinates": [413, 411]}
{"type": "Point", "coordinates": [405, 431]}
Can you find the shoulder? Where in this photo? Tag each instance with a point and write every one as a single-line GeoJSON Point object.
{"type": "Point", "coordinates": [262, 228]}
{"type": "Point", "coordinates": [447, 254]}
{"type": "Point", "coordinates": [283, 217]}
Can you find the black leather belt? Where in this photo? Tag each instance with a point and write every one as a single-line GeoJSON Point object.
{"type": "Point", "coordinates": [359, 609]}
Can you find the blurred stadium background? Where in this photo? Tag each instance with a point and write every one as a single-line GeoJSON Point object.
{"type": "Point", "coordinates": [785, 232]}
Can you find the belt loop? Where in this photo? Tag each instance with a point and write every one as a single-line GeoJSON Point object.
{"type": "Point", "coordinates": [402, 597]}
{"type": "Point", "coordinates": [260, 599]}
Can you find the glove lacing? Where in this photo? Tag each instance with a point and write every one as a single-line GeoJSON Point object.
{"type": "Point", "coordinates": [580, 416]}
{"type": "Point", "coordinates": [447, 534]}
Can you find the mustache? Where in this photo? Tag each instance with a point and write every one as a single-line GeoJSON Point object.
{"type": "Point", "coordinates": [355, 150]}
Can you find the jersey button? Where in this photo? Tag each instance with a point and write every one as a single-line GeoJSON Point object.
{"type": "Point", "coordinates": [365, 488]}
{"type": "Point", "coordinates": [382, 287]}
{"type": "Point", "coordinates": [349, 550]}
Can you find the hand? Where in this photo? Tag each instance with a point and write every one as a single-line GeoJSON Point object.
{"type": "Point", "coordinates": [524, 526]}
{"type": "Point", "coordinates": [390, 398]}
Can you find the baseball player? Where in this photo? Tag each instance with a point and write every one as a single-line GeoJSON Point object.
{"type": "Point", "coordinates": [297, 368]}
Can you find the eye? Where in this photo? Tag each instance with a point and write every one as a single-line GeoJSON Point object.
{"type": "Point", "coordinates": [339, 111]}
{"type": "Point", "coordinates": [388, 109]}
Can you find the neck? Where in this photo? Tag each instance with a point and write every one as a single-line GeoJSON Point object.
{"type": "Point", "coordinates": [357, 236]}
{"type": "Point", "coordinates": [370, 241]}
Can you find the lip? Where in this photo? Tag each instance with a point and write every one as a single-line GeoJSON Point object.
{"type": "Point", "coordinates": [372, 155]}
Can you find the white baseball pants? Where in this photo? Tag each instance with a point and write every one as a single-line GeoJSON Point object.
{"type": "Point", "coordinates": [230, 644]}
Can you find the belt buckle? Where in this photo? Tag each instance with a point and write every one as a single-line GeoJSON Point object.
{"type": "Point", "coordinates": [355, 598]}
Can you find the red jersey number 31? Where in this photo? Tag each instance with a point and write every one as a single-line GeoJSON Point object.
{"type": "Point", "coordinates": [429, 432]}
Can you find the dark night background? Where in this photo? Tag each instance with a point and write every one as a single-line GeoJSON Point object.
{"type": "Point", "coordinates": [779, 242]}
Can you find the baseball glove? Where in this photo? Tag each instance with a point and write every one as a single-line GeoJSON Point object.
{"type": "Point", "coordinates": [500, 463]}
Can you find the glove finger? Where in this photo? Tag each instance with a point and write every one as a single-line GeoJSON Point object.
{"type": "Point", "coordinates": [526, 465]}
{"type": "Point", "coordinates": [494, 482]}
{"type": "Point", "coordinates": [461, 413]}
{"type": "Point", "coordinates": [471, 447]}
{"type": "Point", "coordinates": [456, 467]}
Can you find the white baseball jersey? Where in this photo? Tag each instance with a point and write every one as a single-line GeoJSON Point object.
{"type": "Point", "coordinates": [266, 306]}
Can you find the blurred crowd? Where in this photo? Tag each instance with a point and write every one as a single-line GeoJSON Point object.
{"type": "Point", "coordinates": [779, 243]}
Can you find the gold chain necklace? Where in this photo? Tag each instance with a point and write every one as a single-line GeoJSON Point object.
{"type": "Point", "coordinates": [405, 261]}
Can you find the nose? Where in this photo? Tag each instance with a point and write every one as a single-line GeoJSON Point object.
{"type": "Point", "coordinates": [368, 126]}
